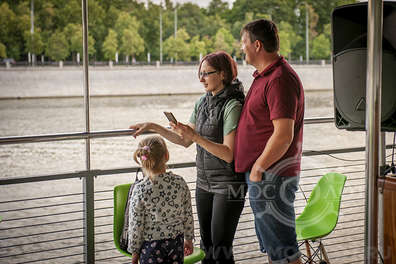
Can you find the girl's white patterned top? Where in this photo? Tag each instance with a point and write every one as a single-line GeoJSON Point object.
{"type": "Point", "coordinates": [159, 209]}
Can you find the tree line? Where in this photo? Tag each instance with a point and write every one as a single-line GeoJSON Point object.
{"type": "Point", "coordinates": [131, 28]}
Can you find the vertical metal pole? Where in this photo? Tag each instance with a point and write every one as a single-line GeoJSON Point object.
{"type": "Point", "coordinates": [161, 33]}
{"type": "Point", "coordinates": [88, 180]}
{"type": "Point", "coordinates": [382, 162]}
{"type": "Point", "coordinates": [306, 33]}
{"type": "Point", "coordinates": [373, 126]}
{"type": "Point", "coordinates": [175, 18]}
{"type": "Point", "coordinates": [32, 28]}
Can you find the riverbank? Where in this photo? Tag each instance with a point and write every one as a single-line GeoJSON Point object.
{"type": "Point", "coordinates": [44, 82]}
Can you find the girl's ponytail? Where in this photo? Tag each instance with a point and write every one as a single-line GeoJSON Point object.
{"type": "Point", "coordinates": [151, 154]}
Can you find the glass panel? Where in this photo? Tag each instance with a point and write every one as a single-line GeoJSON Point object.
{"type": "Point", "coordinates": [42, 222]}
{"type": "Point", "coordinates": [34, 159]}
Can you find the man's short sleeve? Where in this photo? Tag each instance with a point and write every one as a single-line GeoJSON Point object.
{"type": "Point", "coordinates": [282, 98]}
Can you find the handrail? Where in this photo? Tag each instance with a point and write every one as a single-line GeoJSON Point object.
{"type": "Point", "coordinates": [318, 120]}
{"type": "Point", "coordinates": [64, 136]}
{"type": "Point", "coordinates": [105, 134]}
{"type": "Point", "coordinates": [83, 174]}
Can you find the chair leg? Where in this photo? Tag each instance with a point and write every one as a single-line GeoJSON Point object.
{"type": "Point", "coordinates": [308, 249]}
{"type": "Point", "coordinates": [324, 253]}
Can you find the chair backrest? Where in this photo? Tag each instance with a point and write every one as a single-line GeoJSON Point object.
{"type": "Point", "coordinates": [323, 205]}
{"type": "Point", "coordinates": [120, 198]}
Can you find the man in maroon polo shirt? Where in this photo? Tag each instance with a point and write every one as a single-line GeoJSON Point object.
{"type": "Point", "coordinates": [268, 141]}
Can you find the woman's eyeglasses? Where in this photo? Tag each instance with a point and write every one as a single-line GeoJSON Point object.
{"type": "Point", "coordinates": [206, 74]}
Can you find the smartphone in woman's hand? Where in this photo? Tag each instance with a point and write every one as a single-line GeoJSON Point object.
{"type": "Point", "coordinates": [170, 117]}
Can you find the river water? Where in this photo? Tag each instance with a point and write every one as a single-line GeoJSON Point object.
{"type": "Point", "coordinates": [51, 116]}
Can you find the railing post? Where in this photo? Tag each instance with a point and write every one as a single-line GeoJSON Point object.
{"type": "Point", "coordinates": [373, 127]}
{"type": "Point", "coordinates": [89, 219]}
{"type": "Point", "coordinates": [88, 181]}
{"type": "Point", "coordinates": [382, 162]}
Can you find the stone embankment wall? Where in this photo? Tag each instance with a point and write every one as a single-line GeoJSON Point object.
{"type": "Point", "coordinates": [68, 81]}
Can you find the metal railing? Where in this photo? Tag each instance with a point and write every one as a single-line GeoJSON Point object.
{"type": "Point", "coordinates": [104, 134]}
{"type": "Point", "coordinates": [51, 227]}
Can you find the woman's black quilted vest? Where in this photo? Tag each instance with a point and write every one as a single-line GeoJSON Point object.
{"type": "Point", "coordinates": [213, 173]}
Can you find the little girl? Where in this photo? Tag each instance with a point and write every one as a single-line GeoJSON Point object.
{"type": "Point", "coordinates": [161, 224]}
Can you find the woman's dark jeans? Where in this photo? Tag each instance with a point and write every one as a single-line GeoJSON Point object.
{"type": "Point", "coordinates": [218, 216]}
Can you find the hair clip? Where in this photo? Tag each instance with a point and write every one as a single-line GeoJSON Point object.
{"type": "Point", "coordinates": [144, 157]}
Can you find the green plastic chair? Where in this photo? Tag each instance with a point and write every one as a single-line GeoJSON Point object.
{"type": "Point", "coordinates": [120, 198]}
{"type": "Point", "coordinates": [320, 216]}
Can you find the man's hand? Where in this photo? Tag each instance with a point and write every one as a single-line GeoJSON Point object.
{"type": "Point", "coordinates": [135, 258]}
{"type": "Point", "coordinates": [256, 174]}
{"type": "Point", "coordinates": [140, 128]}
{"type": "Point", "coordinates": [188, 247]}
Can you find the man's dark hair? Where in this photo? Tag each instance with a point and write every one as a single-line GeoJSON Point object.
{"type": "Point", "coordinates": [265, 31]}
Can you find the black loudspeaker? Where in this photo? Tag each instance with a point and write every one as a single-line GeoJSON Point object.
{"type": "Point", "coordinates": [349, 47]}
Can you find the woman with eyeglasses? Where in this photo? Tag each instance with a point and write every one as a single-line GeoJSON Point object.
{"type": "Point", "coordinates": [220, 192]}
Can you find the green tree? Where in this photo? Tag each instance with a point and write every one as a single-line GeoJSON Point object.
{"type": "Point", "coordinates": [224, 41]}
{"type": "Point", "coordinates": [212, 24]}
{"type": "Point", "coordinates": [127, 28]}
{"type": "Point", "coordinates": [313, 22]}
{"type": "Point", "coordinates": [299, 48]}
{"type": "Point", "coordinates": [3, 53]}
{"type": "Point", "coordinates": [327, 30]}
{"type": "Point", "coordinates": [192, 19]}
{"type": "Point", "coordinates": [284, 43]}
{"type": "Point", "coordinates": [22, 13]}
{"type": "Point", "coordinates": [197, 47]}
{"type": "Point", "coordinates": [150, 30]}
{"type": "Point", "coordinates": [55, 15]}
{"type": "Point", "coordinates": [9, 34]}
{"type": "Point", "coordinates": [111, 17]}
{"type": "Point", "coordinates": [208, 44]}
{"type": "Point", "coordinates": [110, 45]}
{"type": "Point", "coordinates": [45, 15]}
{"type": "Point", "coordinates": [217, 7]}
{"type": "Point", "coordinates": [96, 26]}
{"type": "Point", "coordinates": [167, 24]}
{"type": "Point", "coordinates": [75, 40]}
{"type": "Point", "coordinates": [288, 38]}
{"type": "Point", "coordinates": [237, 26]}
{"type": "Point", "coordinates": [131, 43]}
{"type": "Point", "coordinates": [45, 18]}
{"type": "Point", "coordinates": [278, 10]}
{"type": "Point", "coordinates": [237, 49]}
{"type": "Point", "coordinates": [324, 8]}
{"type": "Point", "coordinates": [69, 12]}
{"type": "Point", "coordinates": [178, 48]}
{"type": "Point", "coordinates": [321, 47]}
{"type": "Point", "coordinates": [57, 48]}
{"type": "Point", "coordinates": [125, 21]}
{"type": "Point", "coordinates": [34, 43]}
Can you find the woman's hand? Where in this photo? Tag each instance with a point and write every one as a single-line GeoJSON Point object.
{"type": "Point", "coordinates": [184, 131]}
{"type": "Point", "coordinates": [140, 128]}
{"type": "Point", "coordinates": [135, 258]}
{"type": "Point", "coordinates": [188, 247]}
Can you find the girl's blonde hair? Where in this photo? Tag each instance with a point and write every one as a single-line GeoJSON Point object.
{"type": "Point", "coordinates": [151, 154]}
